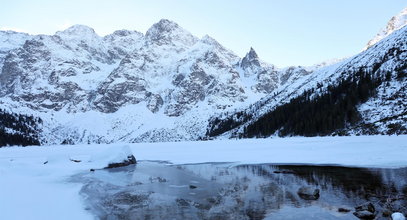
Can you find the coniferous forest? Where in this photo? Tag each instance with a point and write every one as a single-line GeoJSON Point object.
{"type": "Point", "coordinates": [218, 126]}
{"type": "Point", "coordinates": [314, 112]}
{"type": "Point", "coordinates": [17, 129]}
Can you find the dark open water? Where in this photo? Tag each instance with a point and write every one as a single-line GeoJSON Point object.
{"type": "Point", "coordinates": [156, 190]}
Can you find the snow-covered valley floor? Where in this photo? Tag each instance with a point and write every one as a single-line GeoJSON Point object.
{"type": "Point", "coordinates": [34, 180]}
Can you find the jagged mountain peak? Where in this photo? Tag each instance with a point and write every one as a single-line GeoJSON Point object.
{"type": "Point", "coordinates": [169, 32]}
{"type": "Point", "coordinates": [78, 30]}
{"type": "Point", "coordinates": [395, 23]}
{"type": "Point", "coordinates": [209, 40]}
{"type": "Point", "coordinates": [166, 25]}
{"type": "Point", "coordinates": [251, 59]}
{"type": "Point", "coordinates": [167, 75]}
{"type": "Point", "coordinates": [252, 55]}
{"type": "Point", "coordinates": [124, 33]}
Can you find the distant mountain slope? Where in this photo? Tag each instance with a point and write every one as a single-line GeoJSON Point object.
{"type": "Point", "coordinates": [365, 94]}
{"type": "Point", "coordinates": [10, 40]}
{"type": "Point", "coordinates": [169, 85]}
{"type": "Point", "coordinates": [394, 24]}
{"type": "Point", "coordinates": [89, 88]}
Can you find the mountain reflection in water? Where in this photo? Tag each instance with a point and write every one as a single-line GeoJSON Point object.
{"type": "Point", "coordinates": [155, 190]}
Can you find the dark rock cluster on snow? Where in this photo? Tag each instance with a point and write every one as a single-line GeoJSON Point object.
{"type": "Point", "coordinates": [130, 160]}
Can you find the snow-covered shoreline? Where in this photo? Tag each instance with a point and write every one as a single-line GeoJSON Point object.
{"type": "Point", "coordinates": [356, 151]}
{"type": "Point", "coordinates": [34, 180]}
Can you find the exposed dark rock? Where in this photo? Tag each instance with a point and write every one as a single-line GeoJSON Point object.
{"type": "Point", "coordinates": [366, 207]}
{"type": "Point", "coordinates": [192, 187]}
{"type": "Point", "coordinates": [154, 103]}
{"type": "Point", "coordinates": [284, 172]}
{"type": "Point", "coordinates": [67, 142]}
{"type": "Point", "coordinates": [364, 214]}
{"type": "Point", "coordinates": [130, 160]}
{"type": "Point", "coordinates": [386, 213]}
{"type": "Point", "coordinates": [308, 193]}
{"type": "Point", "coordinates": [250, 59]}
{"type": "Point", "coordinates": [343, 210]}
{"type": "Point", "coordinates": [182, 202]}
{"type": "Point", "coordinates": [365, 211]}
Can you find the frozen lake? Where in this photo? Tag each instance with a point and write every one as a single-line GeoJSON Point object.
{"type": "Point", "coordinates": [54, 182]}
{"type": "Point", "coordinates": [158, 190]}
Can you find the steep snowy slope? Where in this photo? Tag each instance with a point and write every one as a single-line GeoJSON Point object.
{"type": "Point", "coordinates": [168, 85]}
{"type": "Point", "coordinates": [394, 24]}
{"type": "Point", "coordinates": [10, 40]}
{"type": "Point", "coordinates": [89, 88]}
{"type": "Point", "coordinates": [382, 107]}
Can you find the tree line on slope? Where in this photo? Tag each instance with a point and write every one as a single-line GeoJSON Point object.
{"type": "Point", "coordinates": [312, 114]}
{"type": "Point", "coordinates": [218, 126]}
{"type": "Point", "coordinates": [17, 129]}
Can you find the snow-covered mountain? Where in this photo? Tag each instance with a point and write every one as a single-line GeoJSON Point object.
{"type": "Point", "coordinates": [394, 24]}
{"type": "Point", "coordinates": [169, 85]}
{"type": "Point", "coordinates": [10, 40]}
{"type": "Point", "coordinates": [368, 89]}
{"type": "Point", "coordinates": [127, 86]}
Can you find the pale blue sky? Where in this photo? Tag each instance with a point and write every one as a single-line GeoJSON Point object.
{"type": "Point", "coordinates": [283, 32]}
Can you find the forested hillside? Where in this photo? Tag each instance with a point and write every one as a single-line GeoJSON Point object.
{"type": "Point", "coordinates": [17, 129]}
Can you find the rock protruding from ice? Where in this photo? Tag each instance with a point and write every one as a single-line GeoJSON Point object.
{"type": "Point", "coordinates": [365, 211]}
{"type": "Point", "coordinates": [125, 162]}
{"type": "Point", "coordinates": [114, 157]}
{"type": "Point", "coordinates": [308, 193]}
{"type": "Point", "coordinates": [394, 24]}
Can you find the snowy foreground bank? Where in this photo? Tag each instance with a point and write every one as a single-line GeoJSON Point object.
{"type": "Point", "coordinates": [33, 180]}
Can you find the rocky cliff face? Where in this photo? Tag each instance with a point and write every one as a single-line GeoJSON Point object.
{"type": "Point", "coordinates": [10, 40]}
{"type": "Point", "coordinates": [163, 85]}
{"type": "Point", "coordinates": [168, 72]}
